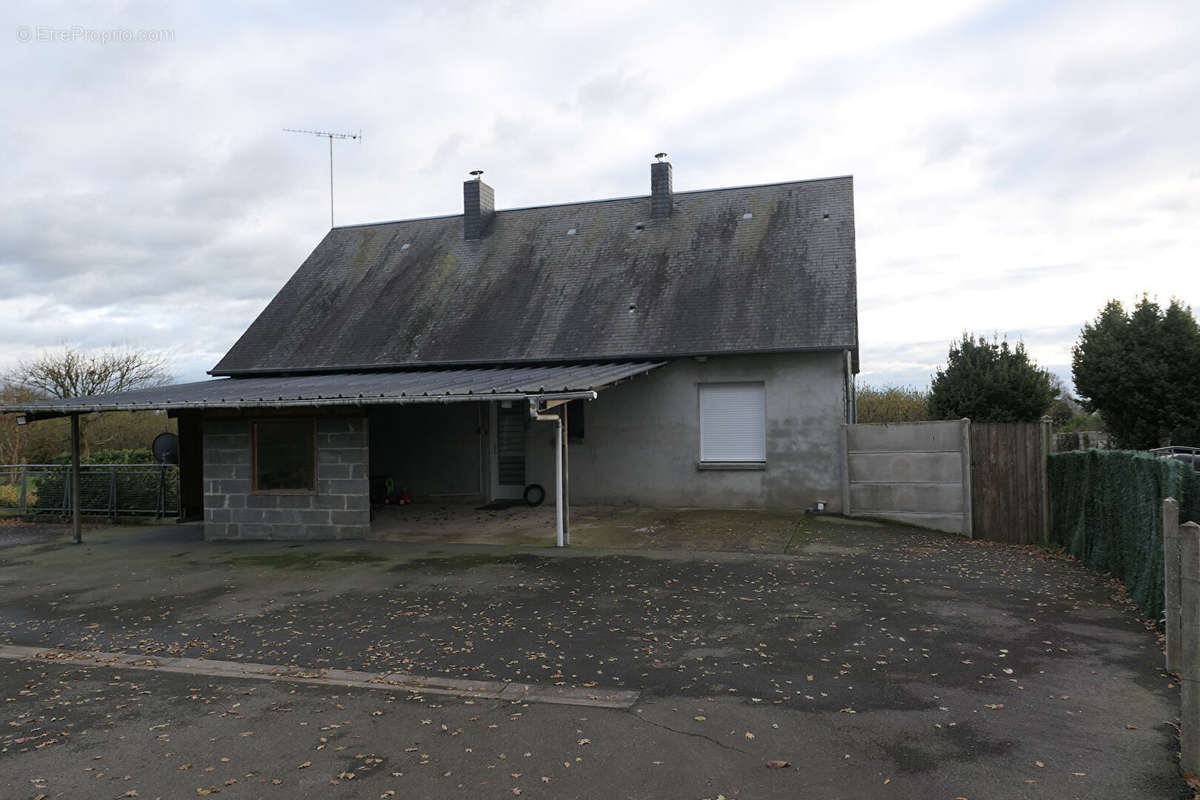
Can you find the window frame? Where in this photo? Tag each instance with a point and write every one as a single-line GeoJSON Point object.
{"type": "Point", "coordinates": [254, 489]}
{"type": "Point", "coordinates": [712, 464]}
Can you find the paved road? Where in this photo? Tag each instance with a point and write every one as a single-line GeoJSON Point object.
{"type": "Point", "coordinates": [877, 661]}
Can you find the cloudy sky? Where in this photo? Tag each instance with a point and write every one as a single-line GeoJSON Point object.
{"type": "Point", "coordinates": [1016, 164]}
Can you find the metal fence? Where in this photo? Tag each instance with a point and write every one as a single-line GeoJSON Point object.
{"type": "Point", "coordinates": [111, 490]}
{"type": "Point", "coordinates": [1188, 455]}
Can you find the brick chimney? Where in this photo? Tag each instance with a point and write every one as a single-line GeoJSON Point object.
{"type": "Point", "coordinates": [662, 196]}
{"type": "Point", "coordinates": [479, 206]}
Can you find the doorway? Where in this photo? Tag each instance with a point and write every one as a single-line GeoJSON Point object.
{"type": "Point", "coordinates": [509, 420]}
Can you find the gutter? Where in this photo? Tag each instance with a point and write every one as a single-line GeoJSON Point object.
{"type": "Point", "coordinates": [32, 413]}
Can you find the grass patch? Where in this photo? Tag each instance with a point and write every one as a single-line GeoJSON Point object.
{"type": "Point", "coordinates": [306, 559]}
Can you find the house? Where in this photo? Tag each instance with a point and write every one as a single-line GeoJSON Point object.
{"type": "Point", "coordinates": [690, 349]}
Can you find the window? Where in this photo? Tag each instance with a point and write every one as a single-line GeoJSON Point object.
{"type": "Point", "coordinates": [732, 423]}
{"type": "Point", "coordinates": [285, 457]}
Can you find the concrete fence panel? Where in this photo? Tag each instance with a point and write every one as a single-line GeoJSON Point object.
{"type": "Point", "coordinates": [914, 472]}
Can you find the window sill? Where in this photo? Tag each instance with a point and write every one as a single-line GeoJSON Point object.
{"type": "Point", "coordinates": [735, 466]}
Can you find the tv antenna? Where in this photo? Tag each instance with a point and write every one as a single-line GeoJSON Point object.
{"type": "Point", "coordinates": [330, 137]}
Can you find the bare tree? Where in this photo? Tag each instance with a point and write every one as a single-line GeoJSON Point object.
{"type": "Point", "coordinates": [21, 444]}
{"type": "Point", "coordinates": [76, 373]}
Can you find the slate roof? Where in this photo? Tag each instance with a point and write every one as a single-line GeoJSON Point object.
{"type": "Point", "coordinates": [704, 281]}
{"type": "Point", "coordinates": [357, 388]}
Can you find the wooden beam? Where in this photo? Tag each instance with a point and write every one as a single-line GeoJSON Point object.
{"type": "Point", "coordinates": [76, 489]}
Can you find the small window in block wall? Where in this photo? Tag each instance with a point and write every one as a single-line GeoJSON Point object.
{"type": "Point", "coordinates": [284, 456]}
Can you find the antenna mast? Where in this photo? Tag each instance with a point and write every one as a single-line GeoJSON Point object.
{"type": "Point", "coordinates": [331, 137]}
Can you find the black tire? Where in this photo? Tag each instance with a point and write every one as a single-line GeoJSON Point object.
{"type": "Point", "coordinates": [534, 494]}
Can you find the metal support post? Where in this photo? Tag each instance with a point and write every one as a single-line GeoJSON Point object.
{"type": "Point", "coordinates": [558, 481]}
{"type": "Point", "coordinates": [564, 488]}
{"type": "Point", "coordinates": [76, 491]}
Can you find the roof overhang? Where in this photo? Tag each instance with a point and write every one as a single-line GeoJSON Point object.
{"type": "Point", "coordinates": [547, 384]}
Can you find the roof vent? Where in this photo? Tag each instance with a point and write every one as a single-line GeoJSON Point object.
{"type": "Point", "coordinates": [570, 231]}
{"type": "Point", "coordinates": [748, 215]}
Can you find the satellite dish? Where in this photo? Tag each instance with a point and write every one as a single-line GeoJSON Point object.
{"type": "Point", "coordinates": [165, 448]}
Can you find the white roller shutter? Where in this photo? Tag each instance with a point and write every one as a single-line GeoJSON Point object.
{"type": "Point", "coordinates": [732, 422]}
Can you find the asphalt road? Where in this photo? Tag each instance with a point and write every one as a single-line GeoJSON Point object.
{"type": "Point", "coordinates": [875, 661]}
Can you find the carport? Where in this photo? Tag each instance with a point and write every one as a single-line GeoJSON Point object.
{"type": "Point", "coordinates": [339, 473]}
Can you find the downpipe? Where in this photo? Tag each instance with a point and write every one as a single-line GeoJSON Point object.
{"type": "Point", "coordinates": [534, 414]}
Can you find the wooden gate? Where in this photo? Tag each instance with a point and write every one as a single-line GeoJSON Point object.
{"type": "Point", "coordinates": [1009, 494]}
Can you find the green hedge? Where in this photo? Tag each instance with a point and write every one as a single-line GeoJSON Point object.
{"type": "Point", "coordinates": [1106, 510]}
{"type": "Point", "coordinates": [140, 455]}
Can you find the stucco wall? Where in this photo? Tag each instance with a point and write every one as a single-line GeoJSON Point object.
{"type": "Point", "coordinates": [340, 508]}
{"type": "Point", "coordinates": [642, 439]}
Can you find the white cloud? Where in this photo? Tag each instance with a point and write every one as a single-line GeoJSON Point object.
{"type": "Point", "coordinates": [1016, 164]}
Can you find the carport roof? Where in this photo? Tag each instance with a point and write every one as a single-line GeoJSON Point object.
{"type": "Point", "coordinates": [552, 382]}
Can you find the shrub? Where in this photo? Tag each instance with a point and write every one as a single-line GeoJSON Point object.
{"type": "Point", "coordinates": [891, 404]}
{"type": "Point", "coordinates": [990, 381]}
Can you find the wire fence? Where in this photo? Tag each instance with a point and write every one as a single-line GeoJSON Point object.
{"type": "Point", "coordinates": [111, 490]}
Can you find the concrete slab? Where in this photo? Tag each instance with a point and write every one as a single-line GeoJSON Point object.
{"type": "Point", "coordinates": [708, 530]}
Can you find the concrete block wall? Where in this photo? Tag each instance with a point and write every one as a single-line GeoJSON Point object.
{"type": "Point", "coordinates": [340, 508]}
{"type": "Point", "coordinates": [914, 472]}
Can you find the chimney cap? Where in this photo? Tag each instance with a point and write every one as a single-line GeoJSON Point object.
{"type": "Point", "coordinates": [660, 156]}
{"type": "Point", "coordinates": [476, 173]}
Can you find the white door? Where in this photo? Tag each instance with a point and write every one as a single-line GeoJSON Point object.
{"type": "Point", "coordinates": [509, 419]}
